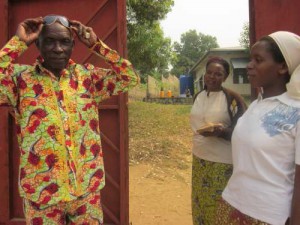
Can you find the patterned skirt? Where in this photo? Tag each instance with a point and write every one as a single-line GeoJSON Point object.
{"type": "Point", "coordinates": [228, 215]}
{"type": "Point", "coordinates": [208, 181]}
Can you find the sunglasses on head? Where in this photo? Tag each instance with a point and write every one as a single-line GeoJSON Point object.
{"type": "Point", "coordinates": [50, 19]}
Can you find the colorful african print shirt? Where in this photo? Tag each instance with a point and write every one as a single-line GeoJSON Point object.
{"type": "Point", "coordinates": [57, 121]}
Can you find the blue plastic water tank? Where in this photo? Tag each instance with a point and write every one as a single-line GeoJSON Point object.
{"type": "Point", "coordinates": [186, 82]}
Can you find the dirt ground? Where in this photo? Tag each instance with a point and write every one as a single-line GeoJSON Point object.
{"type": "Point", "coordinates": [159, 196]}
{"type": "Point", "coordinates": [160, 144]}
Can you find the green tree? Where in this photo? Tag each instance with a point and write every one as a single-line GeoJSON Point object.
{"type": "Point", "coordinates": [191, 48]}
{"type": "Point", "coordinates": [245, 36]}
{"type": "Point", "coordinates": [148, 49]}
{"type": "Point", "coordinates": [149, 11]}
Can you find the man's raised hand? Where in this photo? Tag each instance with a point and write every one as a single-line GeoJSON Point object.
{"type": "Point", "coordinates": [29, 30]}
{"type": "Point", "coordinates": [85, 34]}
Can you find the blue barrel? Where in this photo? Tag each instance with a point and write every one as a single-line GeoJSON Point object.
{"type": "Point", "coordinates": [186, 82]}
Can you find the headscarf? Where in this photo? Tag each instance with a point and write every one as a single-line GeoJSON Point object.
{"type": "Point", "coordinates": [289, 45]}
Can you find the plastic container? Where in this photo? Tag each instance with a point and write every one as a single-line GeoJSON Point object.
{"type": "Point", "coordinates": [186, 82]}
{"type": "Point", "coordinates": [162, 94]}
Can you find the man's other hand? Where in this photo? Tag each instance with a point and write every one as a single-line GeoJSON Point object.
{"type": "Point", "coordinates": [29, 30]}
{"type": "Point", "coordinates": [85, 34]}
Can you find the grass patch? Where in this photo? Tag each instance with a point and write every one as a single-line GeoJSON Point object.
{"type": "Point", "coordinates": [159, 134]}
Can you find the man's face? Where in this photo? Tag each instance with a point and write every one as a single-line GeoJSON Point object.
{"type": "Point", "coordinates": [55, 45]}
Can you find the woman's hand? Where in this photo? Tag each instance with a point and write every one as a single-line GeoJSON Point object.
{"type": "Point", "coordinates": [85, 34]}
{"type": "Point", "coordinates": [29, 30]}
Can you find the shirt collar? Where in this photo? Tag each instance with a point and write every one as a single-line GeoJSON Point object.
{"type": "Point", "coordinates": [286, 99]}
{"type": "Point", "coordinates": [42, 70]}
{"type": "Point", "coordinates": [283, 98]}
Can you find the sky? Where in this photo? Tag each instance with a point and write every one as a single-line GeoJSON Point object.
{"type": "Point", "coordinates": [223, 19]}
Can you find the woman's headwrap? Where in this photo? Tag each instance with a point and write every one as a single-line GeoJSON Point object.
{"type": "Point", "coordinates": [289, 44]}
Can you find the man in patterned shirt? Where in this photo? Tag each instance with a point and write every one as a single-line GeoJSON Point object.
{"type": "Point", "coordinates": [56, 109]}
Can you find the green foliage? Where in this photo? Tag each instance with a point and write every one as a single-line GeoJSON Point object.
{"type": "Point", "coordinates": [145, 12]}
{"type": "Point", "coordinates": [191, 48]}
{"type": "Point", "coordinates": [148, 49]}
{"type": "Point", "coordinates": [245, 36]}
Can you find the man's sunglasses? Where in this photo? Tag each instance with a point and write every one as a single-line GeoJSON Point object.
{"type": "Point", "coordinates": [50, 19]}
